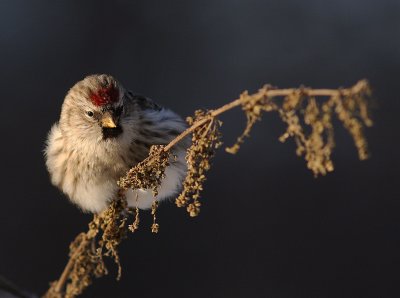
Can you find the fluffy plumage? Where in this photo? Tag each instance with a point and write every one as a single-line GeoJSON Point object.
{"type": "Point", "coordinates": [103, 131]}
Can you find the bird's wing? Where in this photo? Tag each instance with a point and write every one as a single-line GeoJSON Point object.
{"type": "Point", "coordinates": [143, 102]}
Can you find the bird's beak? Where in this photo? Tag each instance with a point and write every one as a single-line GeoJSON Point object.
{"type": "Point", "coordinates": [107, 121]}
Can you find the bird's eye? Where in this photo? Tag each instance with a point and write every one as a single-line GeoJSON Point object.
{"type": "Point", "coordinates": [90, 113]}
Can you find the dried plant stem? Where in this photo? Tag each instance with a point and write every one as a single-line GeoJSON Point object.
{"type": "Point", "coordinates": [105, 233]}
{"type": "Point", "coordinates": [65, 274]}
{"type": "Point", "coordinates": [269, 93]}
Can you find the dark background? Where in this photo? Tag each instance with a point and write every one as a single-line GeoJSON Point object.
{"type": "Point", "coordinates": [267, 227]}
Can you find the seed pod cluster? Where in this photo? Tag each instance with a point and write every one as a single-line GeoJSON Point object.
{"type": "Point", "coordinates": [205, 139]}
{"type": "Point", "coordinates": [309, 121]}
{"type": "Point", "coordinates": [252, 106]}
{"type": "Point", "coordinates": [148, 173]}
{"type": "Point", "coordinates": [87, 251]}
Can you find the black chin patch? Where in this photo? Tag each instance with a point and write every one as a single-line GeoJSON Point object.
{"type": "Point", "coordinates": [109, 133]}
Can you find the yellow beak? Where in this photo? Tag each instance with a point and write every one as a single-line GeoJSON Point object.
{"type": "Point", "coordinates": [108, 122]}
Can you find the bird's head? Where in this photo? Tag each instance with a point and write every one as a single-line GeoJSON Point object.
{"type": "Point", "coordinates": [93, 108]}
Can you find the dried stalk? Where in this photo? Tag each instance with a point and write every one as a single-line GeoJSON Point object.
{"type": "Point", "coordinates": [270, 93]}
{"type": "Point", "coordinates": [65, 274]}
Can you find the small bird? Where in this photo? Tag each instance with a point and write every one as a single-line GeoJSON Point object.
{"type": "Point", "coordinates": [103, 131]}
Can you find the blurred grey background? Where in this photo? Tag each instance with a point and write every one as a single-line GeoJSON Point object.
{"type": "Point", "coordinates": [267, 227]}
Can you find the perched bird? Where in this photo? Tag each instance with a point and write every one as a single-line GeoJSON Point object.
{"type": "Point", "coordinates": [103, 131]}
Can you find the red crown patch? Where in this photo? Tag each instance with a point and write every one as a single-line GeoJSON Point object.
{"type": "Point", "coordinates": [105, 96]}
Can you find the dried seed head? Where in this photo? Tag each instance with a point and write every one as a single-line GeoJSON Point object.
{"type": "Point", "coordinates": [350, 106]}
{"type": "Point", "coordinates": [155, 226]}
{"type": "Point", "coordinates": [205, 139]}
{"type": "Point", "coordinates": [135, 225]}
{"type": "Point", "coordinates": [309, 121]}
{"type": "Point", "coordinates": [106, 231]}
{"type": "Point", "coordinates": [148, 173]}
{"type": "Point", "coordinates": [253, 106]}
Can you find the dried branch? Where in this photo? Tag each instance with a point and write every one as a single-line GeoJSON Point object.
{"type": "Point", "coordinates": [105, 233]}
{"type": "Point", "coordinates": [309, 123]}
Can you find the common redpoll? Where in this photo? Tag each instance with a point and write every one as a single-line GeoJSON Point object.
{"type": "Point", "coordinates": [103, 131]}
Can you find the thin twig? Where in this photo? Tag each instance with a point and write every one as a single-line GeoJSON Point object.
{"type": "Point", "coordinates": [71, 262]}
{"type": "Point", "coordinates": [269, 93]}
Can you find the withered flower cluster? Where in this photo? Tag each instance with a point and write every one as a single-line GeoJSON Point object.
{"type": "Point", "coordinates": [309, 123]}
{"type": "Point", "coordinates": [205, 139]}
{"type": "Point", "coordinates": [316, 140]}
{"type": "Point", "coordinates": [148, 173]}
{"type": "Point", "coordinates": [252, 106]}
{"type": "Point", "coordinates": [87, 251]}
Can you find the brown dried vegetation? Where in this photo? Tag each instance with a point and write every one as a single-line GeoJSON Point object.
{"type": "Point", "coordinates": [309, 123]}
{"type": "Point", "coordinates": [205, 139]}
{"type": "Point", "coordinates": [87, 251]}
